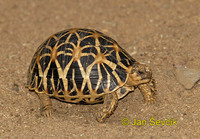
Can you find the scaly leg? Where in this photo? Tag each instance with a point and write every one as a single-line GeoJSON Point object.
{"type": "Point", "coordinates": [109, 106]}
{"type": "Point", "coordinates": [149, 91]}
{"type": "Point", "coordinates": [45, 104]}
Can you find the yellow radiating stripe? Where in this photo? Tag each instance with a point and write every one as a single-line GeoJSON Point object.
{"type": "Point", "coordinates": [100, 77]}
{"type": "Point", "coordinates": [65, 86]}
{"type": "Point", "coordinates": [78, 36]}
{"type": "Point", "coordinates": [45, 84]}
{"type": "Point", "coordinates": [87, 46]}
{"type": "Point", "coordinates": [66, 69]}
{"type": "Point", "coordinates": [49, 47]}
{"type": "Point", "coordinates": [36, 82]}
{"type": "Point", "coordinates": [128, 69]}
{"type": "Point", "coordinates": [108, 80]}
{"type": "Point", "coordinates": [89, 68]}
{"type": "Point", "coordinates": [53, 85]}
{"type": "Point", "coordinates": [46, 70]}
{"type": "Point", "coordinates": [74, 84]}
{"type": "Point", "coordinates": [118, 79]}
{"type": "Point", "coordinates": [97, 43]}
{"type": "Point", "coordinates": [67, 40]}
{"type": "Point", "coordinates": [33, 81]}
{"type": "Point", "coordinates": [84, 75]}
{"type": "Point", "coordinates": [60, 71]}
{"type": "Point", "coordinates": [86, 37]}
{"type": "Point", "coordinates": [40, 83]}
{"type": "Point", "coordinates": [44, 55]}
{"type": "Point", "coordinates": [87, 54]}
{"type": "Point", "coordinates": [110, 64]}
{"type": "Point", "coordinates": [60, 53]}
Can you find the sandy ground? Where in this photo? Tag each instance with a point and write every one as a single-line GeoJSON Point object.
{"type": "Point", "coordinates": [157, 33]}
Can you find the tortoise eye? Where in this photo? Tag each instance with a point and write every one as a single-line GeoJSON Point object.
{"type": "Point", "coordinates": [140, 72]}
{"type": "Point", "coordinates": [133, 70]}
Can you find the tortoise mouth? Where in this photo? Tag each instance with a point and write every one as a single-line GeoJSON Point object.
{"type": "Point", "coordinates": [146, 80]}
{"type": "Point", "coordinates": [139, 77]}
{"type": "Point", "coordinates": [142, 80]}
{"type": "Point", "coordinates": [146, 76]}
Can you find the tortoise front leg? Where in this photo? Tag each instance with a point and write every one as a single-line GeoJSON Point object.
{"type": "Point", "coordinates": [109, 106]}
{"type": "Point", "coordinates": [45, 104]}
{"type": "Point", "coordinates": [149, 91]}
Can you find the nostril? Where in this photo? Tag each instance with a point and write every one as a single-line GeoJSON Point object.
{"type": "Point", "coordinates": [147, 69]}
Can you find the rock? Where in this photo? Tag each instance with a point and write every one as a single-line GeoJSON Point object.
{"type": "Point", "coordinates": [188, 77]}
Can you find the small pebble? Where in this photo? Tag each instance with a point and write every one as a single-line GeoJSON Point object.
{"type": "Point", "coordinates": [16, 87]}
{"type": "Point", "coordinates": [188, 77]}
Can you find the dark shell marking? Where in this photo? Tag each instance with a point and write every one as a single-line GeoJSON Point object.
{"type": "Point", "coordinates": [79, 65]}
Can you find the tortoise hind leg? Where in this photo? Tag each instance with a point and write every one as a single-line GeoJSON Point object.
{"type": "Point", "coordinates": [45, 104]}
{"type": "Point", "coordinates": [109, 106]}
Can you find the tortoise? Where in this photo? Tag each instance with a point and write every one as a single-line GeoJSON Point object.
{"type": "Point", "coordinates": [84, 65]}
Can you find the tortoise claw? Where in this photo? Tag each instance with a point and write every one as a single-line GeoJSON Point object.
{"type": "Point", "coordinates": [46, 105]}
{"type": "Point", "coordinates": [150, 101]}
{"type": "Point", "coordinates": [47, 111]}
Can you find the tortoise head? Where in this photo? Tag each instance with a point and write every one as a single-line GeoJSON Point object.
{"type": "Point", "coordinates": [140, 74]}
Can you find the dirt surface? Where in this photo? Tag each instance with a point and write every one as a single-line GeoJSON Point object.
{"type": "Point", "coordinates": [158, 33]}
